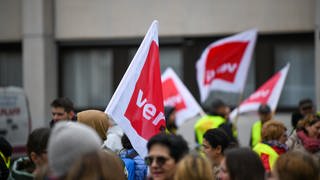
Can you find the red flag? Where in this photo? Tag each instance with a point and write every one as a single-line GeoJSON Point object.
{"type": "Point", "coordinates": [224, 64]}
{"type": "Point", "coordinates": [268, 93]}
{"type": "Point", "coordinates": [145, 109]}
{"type": "Point", "coordinates": [176, 94]}
{"type": "Point", "coordinates": [171, 95]}
{"type": "Point", "coordinates": [137, 104]}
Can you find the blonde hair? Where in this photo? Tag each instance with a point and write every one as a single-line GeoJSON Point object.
{"type": "Point", "coordinates": [296, 165]}
{"type": "Point", "coordinates": [272, 130]}
{"type": "Point", "coordinates": [193, 166]}
{"type": "Point", "coordinates": [102, 165]}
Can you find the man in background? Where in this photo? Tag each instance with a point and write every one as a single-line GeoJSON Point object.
{"type": "Point", "coordinates": [265, 115]}
{"type": "Point", "coordinates": [62, 109]}
{"type": "Point", "coordinates": [305, 107]}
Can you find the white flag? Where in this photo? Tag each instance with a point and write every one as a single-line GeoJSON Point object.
{"type": "Point", "coordinates": [176, 94]}
{"type": "Point", "coordinates": [137, 104]}
{"type": "Point", "coordinates": [224, 64]}
{"type": "Point", "coordinates": [268, 93]}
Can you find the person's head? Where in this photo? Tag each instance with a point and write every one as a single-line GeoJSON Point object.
{"type": "Point", "coordinates": [98, 164]}
{"type": "Point", "coordinates": [95, 119]}
{"type": "Point", "coordinates": [62, 109]}
{"type": "Point", "coordinates": [218, 107]}
{"type": "Point", "coordinates": [67, 143]}
{"type": "Point", "coordinates": [164, 152]}
{"type": "Point", "coordinates": [311, 125]}
{"type": "Point", "coordinates": [306, 107]}
{"type": "Point", "coordinates": [265, 113]}
{"type": "Point", "coordinates": [170, 116]}
{"type": "Point", "coordinates": [215, 141]}
{"type": "Point", "coordinates": [194, 166]}
{"type": "Point", "coordinates": [37, 146]}
{"type": "Point", "coordinates": [241, 164]}
{"type": "Point", "coordinates": [296, 165]}
{"type": "Point", "coordinates": [126, 142]}
{"type": "Point", "coordinates": [274, 131]}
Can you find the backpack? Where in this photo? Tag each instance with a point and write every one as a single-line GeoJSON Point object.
{"type": "Point", "coordinates": [129, 165]}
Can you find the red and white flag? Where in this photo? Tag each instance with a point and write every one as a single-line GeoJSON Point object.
{"type": "Point", "coordinates": [268, 93]}
{"type": "Point", "coordinates": [137, 104]}
{"type": "Point", "coordinates": [176, 94]}
{"type": "Point", "coordinates": [224, 64]}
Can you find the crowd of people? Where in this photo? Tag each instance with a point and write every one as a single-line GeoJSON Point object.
{"type": "Point", "coordinates": [90, 145]}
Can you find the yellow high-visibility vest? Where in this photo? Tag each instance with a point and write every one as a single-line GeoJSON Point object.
{"type": "Point", "coordinates": [261, 148]}
{"type": "Point", "coordinates": [256, 133]}
{"type": "Point", "coordinates": [5, 159]}
{"type": "Point", "coordinates": [205, 123]}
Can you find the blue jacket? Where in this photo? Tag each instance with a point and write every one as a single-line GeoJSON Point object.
{"type": "Point", "coordinates": [140, 166]}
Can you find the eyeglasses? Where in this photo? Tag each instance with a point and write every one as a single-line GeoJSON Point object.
{"type": "Point", "coordinates": [160, 160]}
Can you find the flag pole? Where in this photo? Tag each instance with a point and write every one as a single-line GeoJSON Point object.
{"type": "Point", "coordinates": [238, 109]}
{"type": "Point", "coordinates": [202, 113]}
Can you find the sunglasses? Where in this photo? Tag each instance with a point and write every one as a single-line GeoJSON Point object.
{"type": "Point", "coordinates": [160, 160]}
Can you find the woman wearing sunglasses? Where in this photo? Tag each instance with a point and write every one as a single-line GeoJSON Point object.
{"type": "Point", "coordinates": [164, 153]}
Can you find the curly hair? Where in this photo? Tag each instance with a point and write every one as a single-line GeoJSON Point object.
{"type": "Point", "coordinates": [308, 120]}
{"type": "Point", "coordinates": [272, 130]}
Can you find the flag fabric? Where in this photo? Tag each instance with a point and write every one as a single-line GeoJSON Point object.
{"type": "Point", "coordinates": [224, 64]}
{"type": "Point", "coordinates": [268, 93]}
{"type": "Point", "coordinates": [176, 94]}
{"type": "Point", "coordinates": [137, 104]}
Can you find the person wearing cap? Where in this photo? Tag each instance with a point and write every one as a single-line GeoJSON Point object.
{"type": "Point", "coordinates": [305, 107]}
{"type": "Point", "coordinates": [211, 120]}
{"type": "Point", "coordinates": [265, 115]}
{"type": "Point", "coordinates": [170, 116]}
{"type": "Point", "coordinates": [68, 142]}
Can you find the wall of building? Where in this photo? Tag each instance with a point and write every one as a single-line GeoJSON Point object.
{"type": "Point", "coordinates": [10, 20]}
{"type": "Point", "coordinates": [38, 24]}
{"type": "Point", "coordinates": [113, 18]}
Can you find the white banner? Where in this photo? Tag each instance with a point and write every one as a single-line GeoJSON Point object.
{"type": "Point", "coordinates": [176, 94]}
{"type": "Point", "coordinates": [224, 64]}
{"type": "Point", "coordinates": [15, 121]}
{"type": "Point", "coordinates": [137, 104]}
{"type": "Point", "coordinates": [268, 93]}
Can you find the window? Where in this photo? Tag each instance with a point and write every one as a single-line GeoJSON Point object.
{"type": "Point", "coordinates": [171, 57]}
{"type": "Point", "coordinates": [87, 76]}
{"type": "Point", "coordinates": [301, 76]}
{"type": "Point", "coordinates": [10, 67]}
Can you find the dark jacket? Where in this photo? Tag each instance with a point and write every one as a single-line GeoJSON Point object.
{"type": "Point", "coordinates": [22, 169]}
